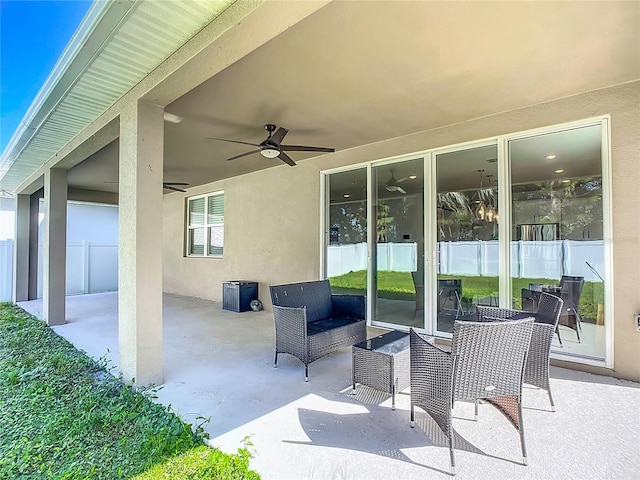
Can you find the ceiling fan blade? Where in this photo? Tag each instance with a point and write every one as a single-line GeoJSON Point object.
{"type": "Point", "coordinates": [243, 155]}
{"type": "Point", "coordinates": [169, 187]}
{"type": "Point", "coordinates": [286, 159]}
{"type": "Point", "coordinates": [402, 179]}
{"type": "Point", "coordinates": [302, 148]}
{"type": "Point", "coordinates": [233, 141]}
{"type": "Point", "coordinates": [175, 183]}
{"type": "Point", "coordinates": [401, 190]}
{"type": "Point", "coordinates": [277, 137]}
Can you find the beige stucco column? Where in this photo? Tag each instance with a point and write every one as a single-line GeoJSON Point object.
{"type": "Point", "coordinates": [140, 244]}
{"type": "Point", "coordinates": [54, 271]}
{"type": "Point", "coordinates": [21, 249]}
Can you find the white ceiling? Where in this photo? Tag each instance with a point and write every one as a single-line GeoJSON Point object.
{"type": "Point", "coordinates": [355, 73]}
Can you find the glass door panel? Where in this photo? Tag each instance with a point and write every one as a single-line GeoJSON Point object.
{"type": "Point", "coordinates": [347, 252]}
{"type": "Point", "coordinates": [467, 253]}
{"type": "Point", "coordinates": [557, 232]}
{"type": "Point", "coordinates": [398, 259]}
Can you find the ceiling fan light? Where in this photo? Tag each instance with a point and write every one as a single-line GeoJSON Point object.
{"type": "Point", "coordinates": [270, 152]}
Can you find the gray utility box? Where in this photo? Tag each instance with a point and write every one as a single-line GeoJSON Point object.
{"type": "Point", "coordinates": [237, 295]}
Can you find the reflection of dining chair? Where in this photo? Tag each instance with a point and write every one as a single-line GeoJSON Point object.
{"type": "Point", "coordinates": [570, 292]}
{"type": "Point", "coordinates": [486, 362]}
{"type": "Point", "coordinates": [418, 284]}
{"type": "Point", "coordinates": [531, 302]}
{"type": "Point", "coordinates": [549, 309]}
{"type": "Point", "coordinates": [450, 296]}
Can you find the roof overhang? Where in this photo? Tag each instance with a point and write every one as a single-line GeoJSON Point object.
{"type": "Point", "coordinates": [116, 46]}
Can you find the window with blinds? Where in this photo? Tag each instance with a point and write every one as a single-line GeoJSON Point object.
{"type": "Point", "coordinates": [205, 225]}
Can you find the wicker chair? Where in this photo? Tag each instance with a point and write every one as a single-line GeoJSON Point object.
{"type": "Point", "coordinates": [486, 362]}
{"type": "Point", "coordinates": [536, 372]}
{"type": "Point", "coordinates": [310, 322]}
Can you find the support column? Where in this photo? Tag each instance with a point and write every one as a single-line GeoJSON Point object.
{"type": "Point", "coordinates": [140, 244]}
{"type": "Point", "coordinates": [54, 272]}
{"type": "Point", "coordinates": [34, 224]}
{"type": "Point", "coordinates": [21, 249]}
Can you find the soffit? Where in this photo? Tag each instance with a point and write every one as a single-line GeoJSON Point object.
{"type": "Point", "coordinates": [129, 40]}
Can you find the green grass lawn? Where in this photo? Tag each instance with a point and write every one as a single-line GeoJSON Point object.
{"type": "Point", "coordinates": [64, 416]}
{"type": "Point", "coordinates": [399, 286]}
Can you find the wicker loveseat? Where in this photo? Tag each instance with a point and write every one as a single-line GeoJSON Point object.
{"type": "Point", "coordinates": [311, 322]}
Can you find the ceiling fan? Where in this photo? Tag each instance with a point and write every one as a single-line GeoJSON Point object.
{"type": "Point", "coordinates": [272, 146]}
{"type": "Point", "coordinates": [170, 186]}
{"type": "Point", "coordinates": [173, 186]}
{"type": "Point", "coordinates": [393, 185]}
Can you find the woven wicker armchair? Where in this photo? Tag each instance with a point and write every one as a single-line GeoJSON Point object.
{"type": "Point", "coordinates": [486, 362]}
{"type": "Point", "coordinates": [311, 322]}
{"type": "Point", "coordinates": [536, 372]}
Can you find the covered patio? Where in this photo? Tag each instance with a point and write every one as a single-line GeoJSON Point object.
{"type": "Point", "coordinates": [219, 365]}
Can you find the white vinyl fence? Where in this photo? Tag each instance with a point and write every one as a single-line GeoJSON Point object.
{"type": "Point", "coordinates": [529, 259]}
{"type": "Point", "coordinates": [91, 268]}
{"type": "Point", "coordinates": [6, 270]}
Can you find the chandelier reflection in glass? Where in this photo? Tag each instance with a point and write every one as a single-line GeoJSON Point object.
{"type": "Point", "coordinates": [486, 211]}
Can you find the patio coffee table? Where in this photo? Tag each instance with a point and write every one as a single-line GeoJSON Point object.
{"type": "Point", "coordinates": [382, 363]}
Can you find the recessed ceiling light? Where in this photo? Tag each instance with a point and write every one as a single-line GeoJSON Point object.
{"type": "Point", "coordinates": [560, 170]}
{"type": "Point", "coordinates": [550, 157]}
{"type": "Point", "coordinates": [413, 177]}
{"type": "Point", "coordinates": [346, 195]}
{"type": "Point", "coordinates": [566, 181]}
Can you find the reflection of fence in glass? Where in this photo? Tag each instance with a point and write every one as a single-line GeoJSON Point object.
{"type": "Point", "coordinates": [397, 257]}
{"type": "Point", "coordinates": [544, 259]}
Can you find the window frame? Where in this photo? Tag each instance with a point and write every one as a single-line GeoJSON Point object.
{"type": "Point", "coordinates": [205, 225]}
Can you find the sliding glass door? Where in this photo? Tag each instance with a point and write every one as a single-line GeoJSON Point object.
{"type": "Point", "coordinates": [398, 259]}
{"type": "Point", "coordinates": [558, 232]}
{"type": "Point", "coordinates": [346, 237]}
{"type": "Point", "coordinates": [467, 235]}
{"type": "Point", "coordinates": [430, 237]}
{"type": "Point", "coordinates": [388, 260]}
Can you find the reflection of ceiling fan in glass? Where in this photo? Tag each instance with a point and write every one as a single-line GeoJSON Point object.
{"type": "Point", "coordinates": [393, 185]}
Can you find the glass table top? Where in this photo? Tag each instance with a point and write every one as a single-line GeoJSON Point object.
{"type": "Point", "coordinates": [389, 343]}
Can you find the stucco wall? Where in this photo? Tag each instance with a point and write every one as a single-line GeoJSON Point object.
{"type": "Point", "coordinates": [272, 216]}
{"type": "Point", "coordinates": [270, 233]}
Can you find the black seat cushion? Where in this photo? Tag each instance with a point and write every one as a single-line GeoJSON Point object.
{"type": "Point", "coordinates": [319, 326]}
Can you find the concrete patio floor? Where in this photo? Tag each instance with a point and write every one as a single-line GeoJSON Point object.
{"type": "Point", "coordinates": [219, 365]}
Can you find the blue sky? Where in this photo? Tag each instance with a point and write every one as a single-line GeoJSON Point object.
{"type": "Point", "coordinates": [33, 34]}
